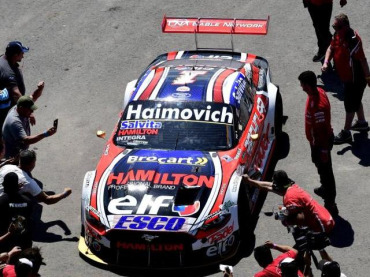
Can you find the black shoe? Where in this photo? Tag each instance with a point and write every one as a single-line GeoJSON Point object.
{"type": "Point", "coordinates": [360, 126]}
{"type": "Point", "coordinates": [343, 137]}
{"type": "Point", "coordinates": [319, 191]}
{"type": "Point", "coordinates": [332, 209]}
{"type": "Point", "coordinates": [318, 57]}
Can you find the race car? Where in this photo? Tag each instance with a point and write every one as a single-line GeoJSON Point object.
{"type": "Point", "coordinates": [168, 190]}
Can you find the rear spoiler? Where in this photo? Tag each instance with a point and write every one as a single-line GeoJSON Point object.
{"type": "Point", "coordinates": [215, 25]}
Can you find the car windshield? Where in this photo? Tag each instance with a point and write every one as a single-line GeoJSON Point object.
{"type": "Point", "coordinates": [176, 125]}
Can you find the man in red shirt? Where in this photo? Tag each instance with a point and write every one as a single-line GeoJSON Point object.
{"type": "Point", "coordinates": [320, 12]}
{"type": "Point", "coordinates": [271, 267]}
{"type": "Point", "coordinates": [353, 70]}
{"type": "Point", "coordinates": [320, 135]}
{"type": "Point", "coordinates": [302, 209]}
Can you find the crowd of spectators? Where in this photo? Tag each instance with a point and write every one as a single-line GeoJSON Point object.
{"type": "Point", "coordinates": [20, 191]}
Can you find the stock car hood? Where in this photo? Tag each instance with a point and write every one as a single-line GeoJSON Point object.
{"type": "Point", "coordinates": [158, 183]}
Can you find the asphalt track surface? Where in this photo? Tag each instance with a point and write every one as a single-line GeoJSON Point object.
{"type": "Point", "coordinates": [86, 51]}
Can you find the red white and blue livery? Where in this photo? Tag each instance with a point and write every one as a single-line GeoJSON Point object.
{"type": "Point", "coordinates": [167, 191]}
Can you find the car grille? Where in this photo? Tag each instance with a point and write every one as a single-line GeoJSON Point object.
{"type": "Point", "coordinates": [151, 249]}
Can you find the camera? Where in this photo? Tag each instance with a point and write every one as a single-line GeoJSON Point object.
{"type": "Point", "coordinates": [281, 214]}
{"type": "Point", "coordinates": [308, 240]}
{"type": "Point", "coordinates": [19, 223]}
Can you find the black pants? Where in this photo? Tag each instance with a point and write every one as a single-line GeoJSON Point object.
{"type": "Point", "coordinates": [321, 16]}
{"type": "Point", "coordinates": [325, 170]}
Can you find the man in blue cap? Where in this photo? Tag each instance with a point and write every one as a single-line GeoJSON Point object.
{"type": "Point", "coordinates": [11, 79]}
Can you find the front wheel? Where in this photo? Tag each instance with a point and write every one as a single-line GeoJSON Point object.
{"type": "Point", "coordinates": [278, 114]}
{"type": "Point", "coordinates": [246, 224]}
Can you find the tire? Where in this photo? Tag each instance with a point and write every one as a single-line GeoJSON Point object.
{"type": "Point", "coordinates": [246, 223]}
{"type": "Point", "coordinates": [278, 114]}
{"type": "Point", "coordinates": [82, 231]}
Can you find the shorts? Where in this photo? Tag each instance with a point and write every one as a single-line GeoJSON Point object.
{"type": "Point", "coordinates": [353, 92]}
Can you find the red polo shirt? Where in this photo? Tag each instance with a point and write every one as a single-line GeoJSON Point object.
{"type": "Point", "coordinates": [317, 119]}
{"type": "Point", "coordinates": [317, 218]}
{"type": "Point", "coordinates": [347, 52]}
{"type": "Point", "coordinates": [273, 269]}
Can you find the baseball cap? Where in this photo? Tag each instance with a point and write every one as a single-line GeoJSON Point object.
{"type": "Point", "coordinates": [329, 268]}
{"type": "Point", "coordinates": [16, 46]}
{"type": "Point", "coordinates": [281, 181]}
{"type": "Point", "coordinates": [26, 102]}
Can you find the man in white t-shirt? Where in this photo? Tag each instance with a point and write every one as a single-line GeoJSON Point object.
{"type": "Point", "coordinates": [27, 162]}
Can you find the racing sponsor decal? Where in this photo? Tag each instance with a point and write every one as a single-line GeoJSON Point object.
{"type": "Point", "coordinates": [138, 132]}
{"type": "Point", "coordinates": [210, 113]}
{"type": "Point", "coordinates": [181, 95]}
{"type": "Point", "coordinates": [134, 138]}
{"type": "Point", "coordinates": [93, 210]}
{"type": "Point", "coordinates": [154, 223]}
{"type": "Point", "coordinates": [221, 235]}
{"type": "Point", "coordinates": [137, 124]}
{"type": "Point", "coordinates": [221, 247]}
{"type": "Point", "coordinates": [210, 57]}
{"type": "Point", "coordinates": [227, 205]}
{"type": "Point", "coordinates": [164, 187]}
{"type": "Point", "coordinates": [201, 161]}
{"type": "Point", "coordinates": [238, 89]}
{"type": "Point", "coordinates": [183, 89]}
{"type": "Point", "coordinates": [187, 210]}
{"type": "Point", "coordinates": [254, 127]}
{"type": "Point", "coordinates": [160, 178]}
{"type": "Point", "coordinates": [155, 247]}
{"type": "Point", "coordinates": [129, 203]}
{"type": "Point", "coordinates": [263, 147]}
{"type": "Point", "coordinates": [226, 158]}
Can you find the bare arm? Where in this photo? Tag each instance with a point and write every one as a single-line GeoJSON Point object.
{"type": "Point", "coordinates": [52, 199]}
{"type": "Point", "coordinates": [365, 68]}
{"type": "Point", "coordinates": [280, 247]}
{"type": "Point", "coordinates": [36, 138]}
{"type": "Point", "coordinates": [15, 94]}
{"type": "Point", "coordinates": [328, 56]}
{"type": "Point", "coordinates": [37, 93]}
{"type": "Point", "coordinates": [262, 185]}
{"type": "Point", "coordinates": [324, 255]}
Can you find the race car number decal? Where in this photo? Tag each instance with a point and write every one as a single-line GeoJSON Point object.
{"type": "Point", "coordinates": [187, 77]}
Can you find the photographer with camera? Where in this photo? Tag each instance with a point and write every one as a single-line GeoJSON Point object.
{"type": "Point", "coordinates": [272, 267]}
{"type": "Point", "coordinates": [301, 209]}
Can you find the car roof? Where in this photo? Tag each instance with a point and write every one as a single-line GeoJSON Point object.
{"type": "Point", "coordinates": [206, 76]}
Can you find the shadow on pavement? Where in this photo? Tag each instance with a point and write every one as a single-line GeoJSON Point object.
{"type": "Point", "coordinates": [332, 83]}
{"type": "Point", "coordinates": [40, 228]}
{"type": "Point", "coordinates": [360, 148]}
{"type": "Point", "coordinates": [343, 235]}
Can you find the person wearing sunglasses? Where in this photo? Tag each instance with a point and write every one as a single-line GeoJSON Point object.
{"type": "Point", "coordinates": [353, 70]}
